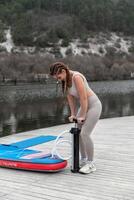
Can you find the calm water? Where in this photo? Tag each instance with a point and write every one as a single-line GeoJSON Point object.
{"type": "Point", "coordinates": [16, 117]}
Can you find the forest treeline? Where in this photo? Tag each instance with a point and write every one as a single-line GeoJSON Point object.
{"type": "Point", "coordinates": [43, 22]}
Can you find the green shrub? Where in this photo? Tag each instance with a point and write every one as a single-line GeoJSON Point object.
{"type": "Point", "coordinates": [2, 33]}
{"type": "Point", "coordinates": [131, 49]}
{"type": "Point", "coordinates": [2, 49]}
{"type": "Point", "coordinates": [2, 38]}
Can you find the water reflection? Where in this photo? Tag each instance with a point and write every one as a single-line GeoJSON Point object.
{"type": "Point", "coordinates": [117, 105]}
{"type": "Point", "coordinates": [20, 117]}
{"type": "Point", "coordinates": [27, 116]}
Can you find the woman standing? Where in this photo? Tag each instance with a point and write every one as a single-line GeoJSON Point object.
{"type": "Point", "coordinates": [76, 87]}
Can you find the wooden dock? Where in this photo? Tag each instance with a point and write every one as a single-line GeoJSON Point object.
{"type": "Point", "coordinates": [113, 180]}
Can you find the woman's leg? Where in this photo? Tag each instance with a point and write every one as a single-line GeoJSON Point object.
{"type": "Point", "coordinates": [82, 149]}
{"type": "Point", "coordinates": [92, 118]}
{"type": "Point", "coordinates": [83, 154]}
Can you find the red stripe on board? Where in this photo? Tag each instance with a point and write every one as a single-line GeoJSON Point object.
{"type": "Point", "coordinates": [32, 166]}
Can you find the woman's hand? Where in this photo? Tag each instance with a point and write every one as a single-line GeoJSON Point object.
{"type": "Point", "coordinates": [71, 118]}
{"type": "Point", "coordinates": [81, 120]}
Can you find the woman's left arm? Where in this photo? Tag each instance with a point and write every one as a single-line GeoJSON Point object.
{"type": "Point", "coordinates": [82, 94]}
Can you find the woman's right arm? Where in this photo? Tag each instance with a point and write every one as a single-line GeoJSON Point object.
{"type": "Point", "coordinates": [72, 104]}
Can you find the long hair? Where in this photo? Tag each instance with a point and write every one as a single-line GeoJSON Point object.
{"type": "Point", "coordinates": [56, 68]}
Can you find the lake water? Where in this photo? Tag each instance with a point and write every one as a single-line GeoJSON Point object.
{"type": "Point", "coordinates": [33, 113]}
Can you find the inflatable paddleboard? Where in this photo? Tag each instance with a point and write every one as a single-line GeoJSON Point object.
{"type": "Point", "coordinates": [18, 156]}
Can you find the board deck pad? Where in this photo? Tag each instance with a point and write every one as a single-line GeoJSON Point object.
{"type": "Point", "coordinates": [34, 141]}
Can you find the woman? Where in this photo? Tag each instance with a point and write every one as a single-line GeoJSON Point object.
{"type": "Point", "coordinates": [75, 85]}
